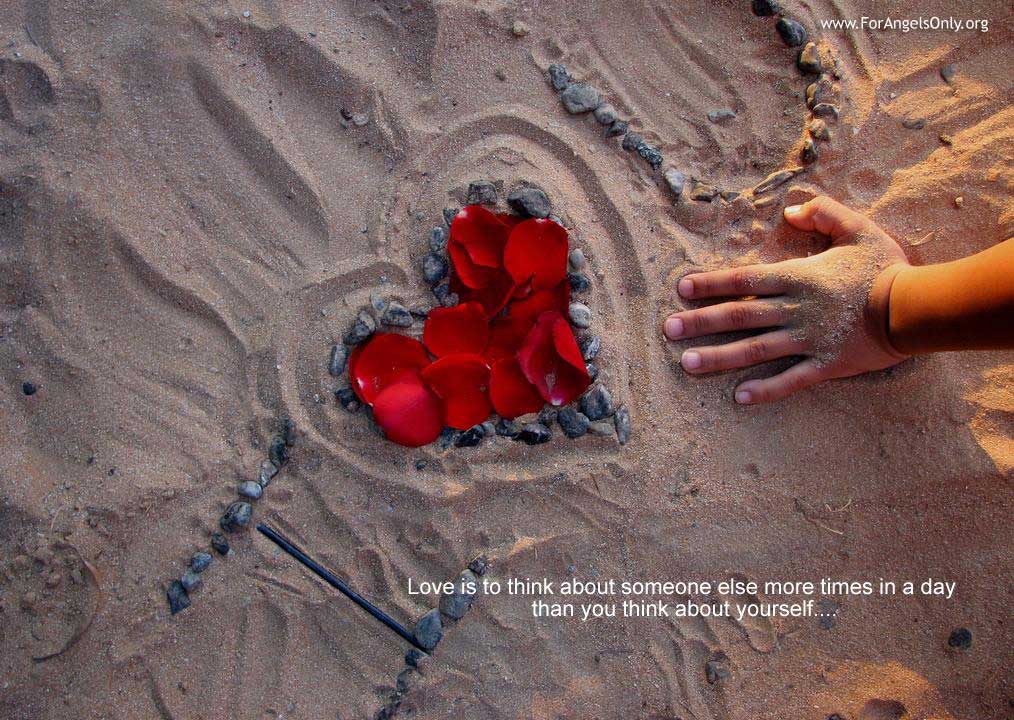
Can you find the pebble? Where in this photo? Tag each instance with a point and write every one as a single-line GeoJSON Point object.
{"type": "Point", "coordinates": [573, 423]}
{"type": "Point", "coordinates": [602, 427]}
{"type": "Point", "coordinates": [361, 329]}
{"type": "Point", "coordinates": [250, 489]}
{"type": "Point", "coordinates": [703, 192]}
{"type": "Point", "coordinates": [278, 451]}
{"type": "Point", "coordinates": [808, 60]}
{"type": "Point", "coordinates": [29, 388]}
{"type": "Point", "coordinates": [960, 638]}
{"type": "Point", "coordinates": [200, 562]}
{"type": "Point", "coordinates": [809, 152]}
{"type": "Point", "coordinates": [190, 580]}
{"type": "Point", "coordinates": [715, 672]}
{"type": "Point", "coordinates": [507, 428]}
{"type": "Point", "coordinates": [622, 422]}
{"type": "Point", "coordinates": [675, 180]}
{"type": "Point", "coordinates": [289, 432]}
{"type": "Point", "coordinates": [438, 239]}
{"type": "Point", "coordinates": [547, 415]}
{"type": "Point", "coordinates": [818, 130]}
{"type": "Point", "coordinates": [457, 603]}
{"type": "Point", "coordinates": [406, 679]}
{"type": "Point", "coordinates": [489, 428]}
{"type": "Point", "coordinates": [813, 93]}
{"type": "Point", "coordinates": [792, 33]}
{"type": "Point", "coordinates": [651, 154]}
{"type": "Point", "coordinates": [482, 192]}
{"type": "Point", "coordinates": [579, 98]}
{"type": "Point", "coordinates": [397, 315]}
{"type": "Point", "coordinates": [267, 471]}
{"type": "Point", "coordinates": [606, 114]}
{"type": "Point", "coordinates": [774, 180]}
{"type": "Point", "coordinates": [826, 110]}
{"type": "Point", "coordinates": [520, 28]}
{"type": "Point", "coordinates": [178, 598]}
{"type": "Point", "coordinates": [579, 282]}
{"type": "Point", "coordinates": [534, 434]}
{"type": "Point", "coordinates": [219, 544]}
{"type": "Point", "coordinates": [419, 312]}
{"type": "Point", "coordinates": [449, 214]}
{"type": "Point", "coordinates": [765, 8]}
{"type": "Point", "coordinates": [471, 437]}
{"type": "Point", "coordinates": [729, 195]}
{"type": "Point", "coordinates": [576, 258]}
{"type": "Point", "coordinates": [447, 438]}
{"type": "Point", "coordinates": [442, 292]}
{"type": "Point", "coordinates": [559, 76]}
{"type": "Point", "coordinates": [592, 370]}
{"type": "Point", "coordinates": [632, 140]}
{"type": "Point", "coordinates": [717, 116]}
{"type": "Point", "coordinates": [348, 399]}
{"type": "Point", "coordinates": [529, 202]}
{"type": "Point", "coordinates": [377, 302]}
{"type": "Point", "coordinates": [414, 657]}
{"type": "Point", "coordinates": [336, 363]}
{"type": "Point", "coordinates": [590, 346]}
{"type": "Point", "coordinates": [580, 315]}
{"type": "Point", "coordinates": [236, 517]}
{"type": "Point", "coordinates": [429, 630]}
{"type": "Point", "coordinates": [479, 565]}
{"type": "Point", "coordinates": [597, 404]}
{"type": "Point", "coordinates": [959, 202]}
{"type": "Point", "coordinates": [617, 128]}
{"type": "Point", "coordinates": [947, 72]}
{"type": "Point", "coordinates": [913, 123]}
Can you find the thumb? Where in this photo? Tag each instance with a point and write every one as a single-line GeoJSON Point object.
{"type": "Point", "coordinates": [826, 216]}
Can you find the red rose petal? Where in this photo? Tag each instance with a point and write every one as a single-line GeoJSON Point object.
{"type": "Point", "coordinates": [458, 329]}
{"type": "Point", "coordinates": [383, 360]}
{"type": "Point", "coordinates": [462, 382]}
{"type": "Point", "coordinates": [492, 297]}
{"type": "Point", "coordinates": [472, 275]}
{"type": "Point", "coordinates": [409, 413]}
{"type": "Point", "coordinates": [551, 360]}
{"type": "Point", "coordinates": [506, 335]}
{"type": "Point", "coordinates": [510, 391]}
{"type": "Point", "coordinates": [537, 249]}
{"type": "Point", "coordinates": [539, 301]}
{"type": "Point", "coordinates": [482, 234]}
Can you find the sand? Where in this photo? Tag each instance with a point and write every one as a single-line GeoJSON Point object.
{"type": "Point", "coordinates": [186, 224]}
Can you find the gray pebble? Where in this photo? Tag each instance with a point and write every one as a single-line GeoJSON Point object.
{"type": "Point", "coordinates": [489, 428]}
{"type": "Point", "coordinates": [414, 657]}
{"type": "Point", "coordinates": [577, 258]}
{"type": "Point", "coordinates": [775, 179]}
{"type": "Point", "coordinates": [702, 192]}
{"type": "Point", "coordinates": [912, 123]}
{"type": "Point", "coordinates": [447, 438]}
{"type": "Point", "coordinates": [675, 180]}
{"type": "Point", "coordinates": [397, 315]}
{"type": "Point", "coordinates": [178, 598]}
{"type": "Point", "coordinates": [947, 72]}
{"type": "Point", "coordinates": [419, 312]}
{"type": "Point", "coordinates": [479, 565]}
{"type": "Point", "coordinates": [406, 679]}
{"type": "Point", "coordinates": [717, 116]}
{"type": "Point", "coordinates": [289, 432]}
{"type": "Point", "coordinates": [580, 315]}
{"type": "Point", "coordinates": [250, 489]}
{"type": "Point", "coordinates": [429, 630]}
{"type": "Point", "coordinates": [442, 292]}
{"type": "Point", "coordinates": [651, 154]}
{"type": "Point", "coordinates": [765, 8]}
{"type": "Point", "coordinates": [579, 282]}
{"type": "Point", "coordinates": [456, 604]}
{"type": "Point", "coordinates": [617, 128]}
{"type": "Point", "coordinates": [438, 239]}
{"type": "Point", "coordinates": [826, 110]}
{"type": "Point", "coordinates": [529, 202]}
{"type": "Point", "coordinates": [219, 544]}
{"type": "Point", "coordinates": [579, 98]}
{"type": "Point", "coordinates": [818, 130]}
{"type": "Point", "coordinates": [348, 399]}
{"type": "Point", "coordinates": [507, 428]}
{"type": "Point", "coordinates": [236, 517]}
{"type": "Point", "coordinates": [361, 329]}
{"type": "Point", "coordinates": [808, 60]}
{"type": "Point", "coordinates": [601, 427]}
{"type": "Point", "coordinates": [559, 76]}
{"type": "Point", "coordinates": [809, 152]}
{"type": "Point", "coordinates": [597, 403]}
{"type": "Point", "coordinates": [336, 363]}
{"type": "Point", "coordinates": [547, 415]}
{"type": "Point", "coordinates": [278, 451]}
{"type": "Point", "coordinates": [606, 114]}
{"type": "Point", "coordinates": [190, 580]}
{"type": "Point", "coordinates": [573, 423]}
{"type": "Point", "coordinates": [378, 302]}
{"type": "Point", "coordinates": [267, 471]}
{"type": "Point", "coordinates": [715, 671]}
{"type": "Point", "coordinates": [792, 33]}
{"type": "Point", "coordinates": [632, 140]}
{"type": "Point", "coordinates": [482, 192]}
{"type": "Point", "coordinates": [471, 437]}
{"type": "Point", "coordinates": [590, 346]}
{"type": "Point", "coordinates": [622, 421]}
{"type": "Point", "coordinates": [200, 562]}
{"type": "Point", "coordinates": [534, 434]}
{"type": "Point", "coordinates": [729, 195]}
{"type": "Point", "coordinates": [592, 370]}
{"type": "Point", "coordinates": [449, 214]}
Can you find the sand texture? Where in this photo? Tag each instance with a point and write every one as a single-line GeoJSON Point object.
{"type": "Point", "coordinates": [187, 224]}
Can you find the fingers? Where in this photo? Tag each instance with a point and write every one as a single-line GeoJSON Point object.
{"type": "Point", "coordinates": [741, 353]}
{"type": "Point", "coordinates": [826, 216]}
{"type": "Point", "coordinates": [799, 376]}
{"type": "Point", "coordinates": [725, 317]}
{"type": "Point", "coordinates": [734, 282]}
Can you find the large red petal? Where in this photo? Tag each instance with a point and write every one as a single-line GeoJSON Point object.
{"type": "Point", "coordinates": [492, 297]}
{"type": "Point", "coordinates": [506, 334]}
{"type": "Point", "coordinates": [510, 391]}
{"type": "Point", "coordinates": [539, 301]}
{"type": "Point", "coordinates": [458, 329]}
{"type": "Point", "coordinates": [383, 360]}
{"type": "Point", "coordinates": [551, 360]}
{"type": "Point", "coordinates": [472, 275]}
{"type": "Point", "coordinates": [482, 233]}
{"type": "Point", "coordinates": [462, 382]}
{"type": "Point", "coordinates": [409, 413]}
{"type": "Point", "coordinates": [537, 249]}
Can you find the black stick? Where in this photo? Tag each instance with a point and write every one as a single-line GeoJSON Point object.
{"type": "Point", "coordinates": [338, 584]}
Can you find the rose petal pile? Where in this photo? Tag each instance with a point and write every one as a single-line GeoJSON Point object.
{"type": "Point", "coordinates": [507, 347]}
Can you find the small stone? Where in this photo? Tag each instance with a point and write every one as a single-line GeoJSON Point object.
{"type": "Point", "coordinates": [190, 581]}
{"type": "Point", "coordinates": [438, 239]}
{"type": "Point", "coordinates": [632, 140]}
{"type": "Point", "coordinates": [559, 76]}
{"type": "Point", "coordinates": [702, 192]}
{"type": "Point", "coordinates": [606, 114]}
{"type": "Point", "coordinates": [718, 116]}
{"type": "Point", "coordinates": [236, 517]}
{"type": "Point", "coordinates": [289, 432]}
{"type": "Point", "coordinates": [617, 128]}
{"type": "Point", "coordinates": [651, 154]}
{"type": "Point", "coordinates": [219, 544]}
{"type": "Point", "coordinates": [729, 195]}
{"type": "Point", "coordinates": [250, 489]}
{"type": "Point", "coordinates": [579, 98]}
{"type": "Point", "coordinates": [603, 428]}
{"type": "Point", "coordinates": [471, 437]}
{"type": "Point", "coordinates": [818, 130]}
{"type": "Point", "coordinates": [578, 282]}
{"type": "Point", "coordinates": [397, 315]}
{"type": "Point", "coordinates": [597, 403]}
{"type": "Point", "coordinates": [947, 72]}
{"type": "Point", "coordinates": [576, 258]}
{"type": "Point", "coordinates": [960, 638]}
{"type": "Point", "coordinates": [913, 123]}
{"type": "Point", "coordinates": [534, 434]}
{"type": "Point", "coordinates": [809, 152]}
{"type": "Point", "coordinates": [573, 423]}
{"type": "Point", "coordinates": [959, 202]}
{"type": "Point", "coordinates": [529, 202]}
{"type": "Point", "coordinates": [178, 598]}
{"type": "Point", "coordinates": [792, 33]}
{"type": "Point", "coordinates": [336, 363]}
{"type": "Point", "coordinates": [200, 562]}
{"type": "Point", "coordinates": [765, 8]}
{"type": "Point", "coordinates": [419, 312]}
{"type": "Point", "coordinates": [489, 428]}
{"type": "Point", "coordinates": [715, 672]}
{"type": "Point", "coordinates": [348, 399]}
{"type": "Point", "coordinates": [449, 214]}
{"type": "Point", "coordinates": [447, 438]}
{"type": "Point", "coordinates": [547, 415]}
{"type": "Point", "coordinates": [360, 119]}
{"type": "Point", "coordinates": [29, 388]}
{"type": "Point", "coordinates": [946, 139]}
{"type": "Point", "coordinates": [622, 422]}
{"type": "Point", "coordinates": [775, 179]}
{"type": "Point", "coordinates": [590, 346]}
{"type": "Point", "coordinates": [580, 315]}
{"type": "Point", "coordinates": [501, 75]}
{"type": "Point", "coordinates": [377, 302]}
{"type": "Point", "coordinates": [520, 28]}
{"type": "Point", "coordinates": [482, 192]}
{"type": "Point", "coordinates": [267, 471]}
{"type": "Point", "coordinates": [808, 60]}
{"type": "Point", "coordinates": [429, 630]}
{"type": "Point", "coordinates": [592, 370]}
{"type": "Point", "coordinates": [457, 603]}
{"type": "Point", "coordinates": [361, 329]}
{"type": "Point", "coordinates": [507, 428]}
{"type": "Point", "coordinates": [406, 679]}
{"type": "Point", "coordinates": [442, 292]}
{"type": "Point", "coordinates": [246, 14]}
{"type": "Point", "coordinates": [813, 94]}
{"type": "Point", "coordinates": [278, 451]}
{"type": "Point", "coordinates": [675, 180]}
{"type": "Point", "coordinates": [414, 657]}
{"type": "Point", "coordinates": [479, 565]}
{"type": "Point", "coordinates": [826, 110]}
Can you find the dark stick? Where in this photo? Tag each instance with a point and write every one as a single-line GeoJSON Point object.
{"type": "Point", "coordinates": [338, 584]}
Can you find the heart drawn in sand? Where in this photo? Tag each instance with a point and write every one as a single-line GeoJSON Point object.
{"type": "Point", "coordinates": [507, 347]}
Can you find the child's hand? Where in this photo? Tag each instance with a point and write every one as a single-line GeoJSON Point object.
{"type": "Point", "coordinates": [830, 309]}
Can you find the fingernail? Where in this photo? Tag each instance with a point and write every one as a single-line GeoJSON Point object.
{"type": "Point", "coordinates": [691, 360]}
{"type": "Point", "coordinates": [673, 328]}
{"type": "Point", "coordinates": [793, 209]}
{"type": "Point", "coordinates": [685, 287]}
{"type": "Point", "coordinates": [743, 397]}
